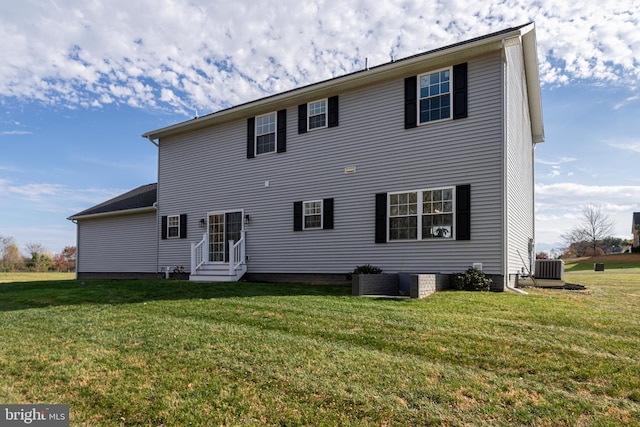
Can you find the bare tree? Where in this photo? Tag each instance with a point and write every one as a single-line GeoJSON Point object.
{"type": "Point", "coordinates": [595, 227]}
{"type": "Point", "coordinates": [596, 224]}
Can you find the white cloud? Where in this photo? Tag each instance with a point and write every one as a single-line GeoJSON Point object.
{"type": "Point", "coordinates": [626, 145]}
{"type": "Point", "coordinates": [181, 56]}
{"type": "Point", "coordinates": [559, 208]}
{"type": "Point", "coordinates": [16, 132]}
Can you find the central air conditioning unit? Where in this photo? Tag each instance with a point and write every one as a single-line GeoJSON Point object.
{"type": "Point", "coordinates": [549, 269]}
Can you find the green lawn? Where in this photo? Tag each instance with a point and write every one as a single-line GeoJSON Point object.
{"type": "Point", "coordinates": [167, 353]}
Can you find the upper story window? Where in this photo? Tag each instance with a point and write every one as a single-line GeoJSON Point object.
{"type": "Point", "coordinates": [313, 214]}
{"type": "Point", "coordinates": [266, 133]}
{"type": "Point", "coordinates": [317, 114]}
{"type": "Point", "coordinates": [435, 96]}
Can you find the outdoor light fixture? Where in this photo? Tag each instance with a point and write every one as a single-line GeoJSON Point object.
{"type": "Point", "coordinates": [201, 223]}
{"type": "Point", "coordinates": [246, 219]}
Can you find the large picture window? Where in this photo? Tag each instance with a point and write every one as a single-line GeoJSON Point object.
{"type": "Point", "coordinates": [422, 214]}
{"type": "Point", "coordinates": [435, 96]}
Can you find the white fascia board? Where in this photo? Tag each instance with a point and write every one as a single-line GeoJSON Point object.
{"type": "Point", "coordinates": [396, 69]}
{"type": "Point", "coordinates": [113, 213]}
{"type": "Point", "coordinates": [529, 45]}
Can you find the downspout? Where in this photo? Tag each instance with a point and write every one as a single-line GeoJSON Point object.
{"type": "Point", "coordinates": [505, 169]}
{"type": "Point", "coordinates": [75, 221]}
{"type": "Point", "coordinates": [155, 205]}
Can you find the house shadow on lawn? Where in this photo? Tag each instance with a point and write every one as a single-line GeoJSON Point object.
{"type": "Point", "coordinates": [26, 295]}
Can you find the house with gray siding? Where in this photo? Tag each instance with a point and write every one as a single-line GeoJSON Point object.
{"type": "Point", "coordinates": [419, 165]}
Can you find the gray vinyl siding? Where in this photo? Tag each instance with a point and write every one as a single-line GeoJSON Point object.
{"type": "Point", "coordinates": [118, 244]}
{"type": "Point", "coordinates": [520, 181]}
{"type": "Point", "coordinates": [207, 171]}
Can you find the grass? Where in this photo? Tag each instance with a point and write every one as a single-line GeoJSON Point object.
{"type": "Point", "coordinates": [165, 353]}
{"type": "Point", "coordinates": [611, 262]}
{"type": "Point", "coordinates": [12, 277]}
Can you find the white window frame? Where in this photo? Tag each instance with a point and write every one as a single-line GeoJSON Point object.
{"type": "Point", "coordinates": [325, 101]}
{"type": "Point", "coordinates": [420, 214]}
{"type": "Point", "coordinates": [259, 128]}
{"type": "Point", "coordinates": [173, 223]}
{"type": "Point", "coordinates": [305, 214]}
{"type": "Point", "coordinates": [421, 98]}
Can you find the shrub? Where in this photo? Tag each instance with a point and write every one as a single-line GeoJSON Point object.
{"type": "Point", "coordinates": [364, 269]}
{"type": "Point", "coordinates": [473, 280]}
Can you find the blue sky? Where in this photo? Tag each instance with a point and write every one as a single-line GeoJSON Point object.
{"type": "Point", "coordinates": [81, 81]}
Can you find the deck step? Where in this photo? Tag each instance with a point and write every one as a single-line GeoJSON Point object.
{"type": "Point", "coordinates": [214, 273]}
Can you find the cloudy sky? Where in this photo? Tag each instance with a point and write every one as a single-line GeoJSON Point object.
{"type": "Point", "coordinates": [81, 80]}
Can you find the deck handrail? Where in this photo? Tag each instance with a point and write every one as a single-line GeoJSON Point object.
{"type": "Point", "coordinates": [198, 253]}
{"type": "Point", "coordinates": [237, 259]}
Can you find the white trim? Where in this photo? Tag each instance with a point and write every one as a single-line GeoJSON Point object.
{"type": "Point", "coordinates": [113, 213]}
{"type": "Point", "coordinates": [208, 235]}
{"type": "Point", "coordinates": [326, 114]}
{"type": "Point", "coordinates": [169, 226]}
{"type": "Point", "coordinates": [275, 134]}
{"type": "Point", "coordinates": [304, 215]}
{"type": "Point", "coordinates": [419, 214]}
{"type": "Point", "coordinates": [391, 70]}
{"type": "Point", "coordinates": [419, 98]}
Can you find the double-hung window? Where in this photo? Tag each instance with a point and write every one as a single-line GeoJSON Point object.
{"type": "Point", "coordinates": [173, 226]}
{"type": "Point", "coordinates": [313, 214]}
{"type": "Point", "coordinates": [266, 133]}
{"type": "Point", "coordinates": [403, 216]}
{"type": "Point", "coordinates": [435, 96]}
{"type": "Point", "coordinates": [437, 213]}
{"type": "Point", "coordinates": [317, 114]}
{"type": "Point", "coordinates": [422, 214]}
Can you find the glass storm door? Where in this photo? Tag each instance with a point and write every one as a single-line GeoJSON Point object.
{"type": "Point", "coordinates": [222, 228]}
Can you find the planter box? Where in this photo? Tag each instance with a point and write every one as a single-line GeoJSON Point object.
{"type": "Point", "coordinates": [374, 284]}
{"type": "Point", "coordinates": [423, 285]}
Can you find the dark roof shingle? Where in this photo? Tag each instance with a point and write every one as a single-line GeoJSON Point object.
{"type": "Point", "coordinates": [142, 197]}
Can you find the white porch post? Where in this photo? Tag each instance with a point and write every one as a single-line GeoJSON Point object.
{"type": "Point", "coordinates": [232, 254]}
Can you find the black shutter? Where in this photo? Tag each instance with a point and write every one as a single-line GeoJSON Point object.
{"type": "Point", "coordinates": [281, 133]}
{"type": "Point", "coordinates": [302, 118]}
{"type": "Point", "coordinates": [183, 226]}
{"type": "Point", "coordinates": [410, 102]}
{"type": "Point", "coordinates": [333, 111]}
{"type": "Point", "coordinates": [327, 214]}
{"type": "Point", "coordinates": [251, 138]}
{"type": "Point", "coordinates": [463, 212]}
{"type": "Point", "coordinates": [297, 216]}
{"type": "Point", "coordinates": [460, 91]}
{"type": "Point", "coordinates": [381, 218]}
{"type": "Point", "coordinates": [163, 226]}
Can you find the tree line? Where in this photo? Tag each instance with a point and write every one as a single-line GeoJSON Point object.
{"type": "Point", "coordinates": [591, 236]}
{"type": "Point", "coordinates": [37, 257]}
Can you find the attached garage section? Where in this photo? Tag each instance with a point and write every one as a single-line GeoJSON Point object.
{"type": "Point", "coordinates": [118, 238]}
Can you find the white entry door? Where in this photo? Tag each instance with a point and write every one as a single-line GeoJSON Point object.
{"type": "Point", "coordinates": [223, 226]}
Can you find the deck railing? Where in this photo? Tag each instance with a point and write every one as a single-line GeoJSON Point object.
{"type": "Point", "coordinates": [198, 253]}
{"type": "Point", "coordinates": [237, 259]}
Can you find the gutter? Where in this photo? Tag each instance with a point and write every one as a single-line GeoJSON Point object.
{"type": "Point", "coordinates": [112, 213]}
{"type": "Point", "coordinates": [394, 69]}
